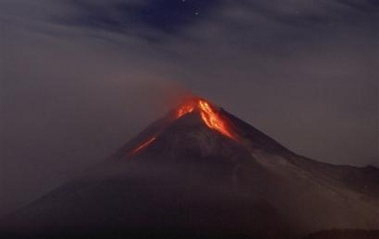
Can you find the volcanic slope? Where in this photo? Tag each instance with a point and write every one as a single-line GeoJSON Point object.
{"type": "Point", "coordinates": [200, 171]}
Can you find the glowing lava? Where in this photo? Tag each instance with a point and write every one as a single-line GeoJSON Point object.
{"type": "Point", "coordinates": [143, 145]}
{"type": "Point", "coordinates": [209, 115]}
{"type": "Point", "coordinates": [185, 109]}
{"type": "Point", "coordinates": [213, 120]}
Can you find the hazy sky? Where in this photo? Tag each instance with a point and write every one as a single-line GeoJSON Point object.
{"type": "Point", "coordinates": [79, 78]}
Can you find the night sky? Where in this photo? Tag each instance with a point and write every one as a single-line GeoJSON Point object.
{"type": "Point", "coordinates": [79, 78]}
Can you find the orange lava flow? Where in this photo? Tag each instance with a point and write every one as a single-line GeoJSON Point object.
{"type": "Point", "coordinates": [185, 109]}
{"type": "Point", "coordinates": [213, 120]}
{"type": "Point", "coordinates": [209, 115]}
{"type": "Point", "coordinates": [144, 145]}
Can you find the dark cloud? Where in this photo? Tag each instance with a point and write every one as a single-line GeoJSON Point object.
{"type": "Point", "coordinates": [173, 17]}
{"type": "Point", "coordinates": [141, 17]}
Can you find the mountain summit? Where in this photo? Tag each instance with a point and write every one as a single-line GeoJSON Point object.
{"type": "Point", "coordinates": [201, 172]}
{"type": "Point", "coordinates": [197, 121]}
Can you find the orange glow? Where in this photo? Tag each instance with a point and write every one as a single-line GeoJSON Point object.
{"type": "Point", "coordinates": [144, 145]}
{"type": "Point", "coordinates": [209, 115]}
{"type": "Point", "coordinates": [185, 109]}
{"type": "Point", "coordinates": [213, 120]}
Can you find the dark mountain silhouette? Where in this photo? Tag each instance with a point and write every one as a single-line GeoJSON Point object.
{"type": "Point", "coordinates": [201, 172]}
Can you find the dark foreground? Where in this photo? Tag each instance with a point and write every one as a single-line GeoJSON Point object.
{"type": "Point", "coordinates": [144, 234]}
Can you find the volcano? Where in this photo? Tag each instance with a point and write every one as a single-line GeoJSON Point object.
{"type": "Point", "coordinates": [200, 172]}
